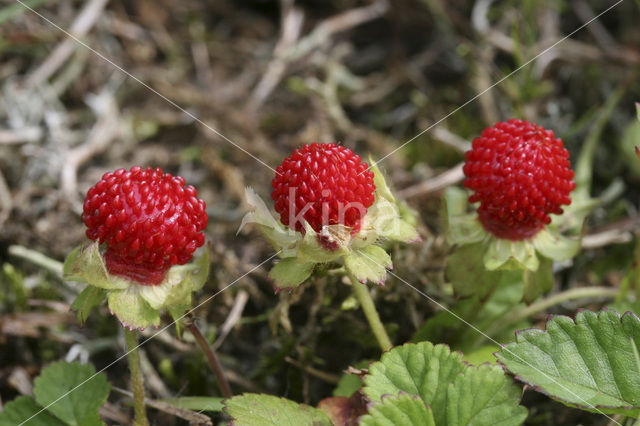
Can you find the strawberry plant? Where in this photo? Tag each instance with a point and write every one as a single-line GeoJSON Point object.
{"type": "Point", "coordinates": [408, 213]}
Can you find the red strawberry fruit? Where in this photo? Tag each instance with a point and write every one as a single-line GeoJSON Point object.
{"type": "Point", "coordinates": [322, 184]}
{"type": "Point", "coordinates": [520, 173]}
{"type": "Point", "coordinates": [148, 220]}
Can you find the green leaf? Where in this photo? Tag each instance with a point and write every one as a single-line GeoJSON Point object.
{"type": "Point", "coordinates": [90, 298]}
{"type": "Point", "coordinates": [550, 243]}
{"type": "Point", "coordinates": [81, 392]}
{"type": "Point", "coordinates": [131, 309]}
{"type": "Point", "coordinates": [482, 355]}
{"type": "Point", "coordinates": [461, 227]}
{"type": "Point", "coordinates": [368, 264]}
{"type": "Point", "coordinates": [484, 396]}
{"type": "Point", "coordinates": [590, 363]}
{"type": "Point", "coordinates": [538, 282]}
{"type": "Point", "coordinates": [267, 410]}
{"type": "Point", "coordinates": [399, 410]}
{"type": "Point", "coordinates": [467, 273]}
{"type": "Point", "coordinates": [510, 255]}
{"type": "Point", "coordinates": [25, 408]}
{"type": "Point", "coordinates": [288, 273]}
{"type": "Point", "coordinates": [86, 265]}
{"type": "Point", "coordinates": [196, 403]}
{"type": "Point", "coordinates": [421, 369]}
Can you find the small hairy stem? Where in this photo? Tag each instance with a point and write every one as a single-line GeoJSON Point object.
{"type": "Point", "coordinates": [137, 380]}
{"type": "Point", "coordinates": [211, 356]}
{"type": "Point", "coordinates": [362, 294]}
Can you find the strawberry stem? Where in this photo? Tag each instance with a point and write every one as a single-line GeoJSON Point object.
{"type": "Point", "coordinates": [369, 308]}
{"type": "Point", "coordinates": [137, 381]}
{"type": "Point", "coordinates": [211, 356]}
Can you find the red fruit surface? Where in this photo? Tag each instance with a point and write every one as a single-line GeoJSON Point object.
{"type": "Point", "coordinates": [520, 173]}
{"type": "Point", "coordinates": [148, 220]}
{"type": "Point", "coordinates": [324, 184]}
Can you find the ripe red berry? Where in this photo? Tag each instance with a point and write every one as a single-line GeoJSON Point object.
{"type": "Point", "coordinates": [149, 221]}
{"type": "Point", "coordinates": [324, 184]}
{"type": "Point", "coordinates": [520, 173]}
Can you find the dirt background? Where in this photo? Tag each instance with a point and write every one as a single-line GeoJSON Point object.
{"type": "Point", "coordinates": [220, 92]}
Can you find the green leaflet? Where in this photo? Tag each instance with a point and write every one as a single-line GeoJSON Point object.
{"type": "Point", "coordinates": [23, 408]}
{"type": "Point", "coordinates": [288, 273]}
{"type": "Point", "coordinates": [71, 392]}
{"type": "Point", "coordinates": [590, 363]}
{"type": "Point", "coordinates": [458, 394]}
{"type": "Point", "coordinates": [483, 395]}
{"type": "Point", "coordinates": [252, 409]}
{"type": "Point", "coordinates": [399, 410]}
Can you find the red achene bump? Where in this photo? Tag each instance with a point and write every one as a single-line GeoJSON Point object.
{"type": "Point", "coordinates": [148, 220]}
{"type": "Point", "coordinates": [520, 173]}
{"type": "Point", "coordinates": [324, 184]}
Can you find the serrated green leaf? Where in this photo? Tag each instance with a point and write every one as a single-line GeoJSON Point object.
{"type": "Point", "coordinates": [421, 369]}
{"type": "Point", "coordinates": [25, 408]}
{"type": "Point", "coordinates": [267, 410]}
{"type": "Point", "coordinates": [86, 265]}
{"type": "Point", "coordinates": [466, 271]}
{"type": "Point", "coordinates": [538, 282]}
{"type": "Point", "coordinates": [195, 403]}
{"type": "Point", "coordinates": [81, 397]}
{"type": "Point", "coordinates": [368, 264]}
{"type": "Point", "coordinates": [88, 299]}
{"type": "Point", "coordinates": [484, 396]}
{"type": "Point", "coordinates": [510, 255]}
{"type": "Point", "coordinates": [131, 309]}
{"type": "Point", "coordinates": [550, 243]}
{"type": "Point", "coordinates": [288, 273]}
{"type": "Point", "coordinates": [590, 363]}
{"type": "Point", "coordinates": [399, 410]}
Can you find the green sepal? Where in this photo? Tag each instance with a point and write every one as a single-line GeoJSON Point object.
{"type": "Point", "coordinates": [539, 281]}
{"type": "Point", "coordinates": [177, 286]}
{"type": "Point", "coordinates": [382, 189]}
{"type": "Point", "coordinates": [383, 218]}
{"type": "Point", "coordinates": [510, 255]}
{"type": "Point", "coordinates": [550, 243]}
{"type": "Point", "coordinates": [280, 237]}
{"type": "Point", "coordinates": [86, 265]}
{"type": "Point", "coordinates": [368, 264]}
{"type": "Point", "coordinates": [311, 251]}
{"type": "Point", "coordinates": [177, 312]}
{"type": "Point", "coordinates": [88, 299]}
{"type": "Point", "coordinates": [461, 227]}
{"type": "Point", "coordinates": [131, 309]}
{"type": "Point", "coordinates": [288, 273]}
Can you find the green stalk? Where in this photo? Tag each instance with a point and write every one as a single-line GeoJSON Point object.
{"type": "Point", "coordinates": [364, 297]}
{"type": "Point", "coordinates": [137, 380]}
